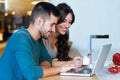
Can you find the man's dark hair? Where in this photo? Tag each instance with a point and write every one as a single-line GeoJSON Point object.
{"type": "Point", "coordinates": [43, 9]}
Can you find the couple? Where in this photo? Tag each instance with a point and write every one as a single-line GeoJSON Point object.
{"type": "Point", "coordinates": [25, 56]}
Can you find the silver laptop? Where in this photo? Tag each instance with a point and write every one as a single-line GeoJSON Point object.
{"type": "Point", "coordinates": [87, 71]}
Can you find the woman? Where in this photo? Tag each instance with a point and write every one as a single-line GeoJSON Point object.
{"type": "Point", "coordinates": [57, 44]}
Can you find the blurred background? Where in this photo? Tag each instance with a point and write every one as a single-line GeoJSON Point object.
{"type": "Point", "coordinates": [13, 14]}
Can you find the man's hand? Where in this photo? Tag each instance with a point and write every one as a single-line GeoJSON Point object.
{"type": "Point", "coordinates": [67, 67]}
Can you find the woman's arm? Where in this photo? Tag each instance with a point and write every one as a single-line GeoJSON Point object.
{"type": "Point", "coordinates": [77, 61]}
{"type": "Point", "coordinates": [57, 63]}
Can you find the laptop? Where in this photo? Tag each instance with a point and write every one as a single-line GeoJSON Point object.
{"type": "Point", "coordinates": [86, 70]}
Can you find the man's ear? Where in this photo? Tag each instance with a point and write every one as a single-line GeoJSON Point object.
{"type": "Point", "coordinates": [40, 21]}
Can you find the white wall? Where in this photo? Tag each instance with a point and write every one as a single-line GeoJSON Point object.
{"type": "Point", "coordinates": [94, 17]}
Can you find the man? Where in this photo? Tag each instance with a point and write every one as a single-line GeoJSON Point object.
{"type": "Point", "coordinates": [25, 57]}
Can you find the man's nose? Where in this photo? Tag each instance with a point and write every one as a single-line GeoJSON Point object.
{"type": "Point", "coordinates": [53, 29]}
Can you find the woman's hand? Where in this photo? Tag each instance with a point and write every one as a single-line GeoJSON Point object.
{"type": "Point", "coordinates": [78, 61]}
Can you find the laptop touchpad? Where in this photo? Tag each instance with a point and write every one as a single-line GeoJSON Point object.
{"type": "Point", "coordinates": [85, 71]}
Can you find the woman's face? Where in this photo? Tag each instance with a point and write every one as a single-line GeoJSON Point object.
{"type": "Point", "coordinates": [63, 27]}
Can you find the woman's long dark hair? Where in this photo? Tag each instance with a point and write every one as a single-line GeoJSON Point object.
{"type": "Point", "coordinates": [62, 43]}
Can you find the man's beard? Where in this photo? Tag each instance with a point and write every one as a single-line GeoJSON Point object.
{"type": "Point", "coordinates": [42, 35]}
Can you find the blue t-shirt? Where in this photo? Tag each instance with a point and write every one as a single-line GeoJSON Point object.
{"type": "Point", "coordinates": [22, 56]}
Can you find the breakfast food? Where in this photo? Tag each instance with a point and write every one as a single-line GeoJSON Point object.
{"type": "Point", "coordinates": [115, 68]}
{"type": "Point", "coordinates": [116, 59]}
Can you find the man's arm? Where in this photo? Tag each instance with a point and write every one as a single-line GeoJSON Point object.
{"type": "Point", "coordinates": [49, 70]}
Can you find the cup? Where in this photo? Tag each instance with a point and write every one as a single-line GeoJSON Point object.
{"type": "Point", "coordinates": [86, 60]}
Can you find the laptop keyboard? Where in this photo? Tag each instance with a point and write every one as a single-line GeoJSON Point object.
{"type": "Point", "coordinates": [85, 71]}
{"type": "Point", "coordinates": [81, 70]}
